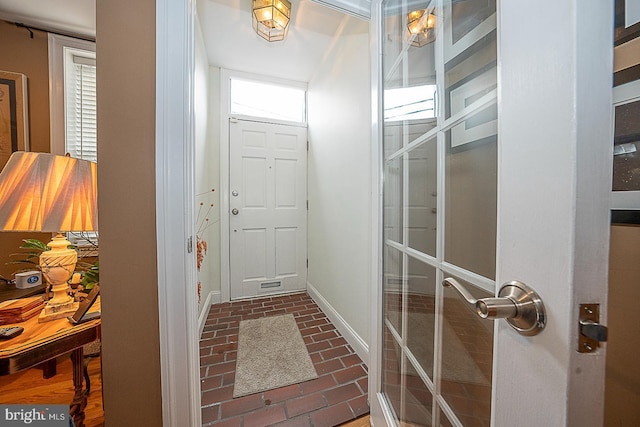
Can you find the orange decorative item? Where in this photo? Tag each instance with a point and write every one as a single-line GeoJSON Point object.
{"type": "Point", "coordinates": [202, 223]}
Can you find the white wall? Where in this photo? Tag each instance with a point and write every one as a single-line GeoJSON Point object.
{"type": "Point", "coordinates": [206, 166]}
{"type": "Point", "coordinates": [339, 221]}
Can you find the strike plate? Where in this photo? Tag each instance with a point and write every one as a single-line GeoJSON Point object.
{"type": "Point", "coordinates": [588, 313]}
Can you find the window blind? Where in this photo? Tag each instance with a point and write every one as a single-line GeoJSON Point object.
{"type": "Point", "coordinates": [81, 138]}
{"type": "Point", "coordinates": [80, 99]}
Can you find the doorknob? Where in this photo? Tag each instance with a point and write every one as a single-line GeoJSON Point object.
{"type": "Point", "coordinates": [517, 303]}
{"type": "Point", "coordinates": [234, 211]}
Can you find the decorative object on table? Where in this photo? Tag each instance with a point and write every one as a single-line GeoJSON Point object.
{"type": "Point", "coordinates": [14, 129]}
{"type": "Point", "coordinates": [28, 279]}
{"type": "Point", "coordinates": [19, 310]}
{"type": "Point", "coordinates": [202, 223]}
{"type": "Point", "coordinates": [48, 193]}
{"type": "Point", "coordinates": [91, 276]}
{"type": "Point", "coordinates": [10, 332]}
{"type": "Point", "coordinates": [81, 315]}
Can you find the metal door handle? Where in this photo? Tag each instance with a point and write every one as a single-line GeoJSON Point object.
{"type": "Point", "coordinates": [234, 211]}
{"type": "Point", "coordinates": [517, 303]}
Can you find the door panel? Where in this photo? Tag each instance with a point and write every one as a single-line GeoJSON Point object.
{"type": "Point", "coordinates": [268, 208]}
{"type": "Point", "coordinates": [523, 191]}
{"type": "Point", "coordinates": [439, 214]}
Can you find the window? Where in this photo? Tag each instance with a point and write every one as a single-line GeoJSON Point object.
{"type": "Point", "coordinates": [268, 100]}
{"type": "Point", "coordinates": [73, 120]}
{"type": "Point", "coordinates": [80, 106]}
{"type": "Point", "coordinates": [409, 103]}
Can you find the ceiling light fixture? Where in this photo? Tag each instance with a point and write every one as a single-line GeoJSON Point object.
{"type": "Point", "coordinates": [271, 19]}
{"type": "Point", "coordinates": [421, 25]}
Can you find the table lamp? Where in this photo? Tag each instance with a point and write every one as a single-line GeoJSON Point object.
{"type": "Point", "coordinates": [48, 193]}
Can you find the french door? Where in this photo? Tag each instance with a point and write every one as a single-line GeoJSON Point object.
{"type": "Point", "coordinates": [490, 167]}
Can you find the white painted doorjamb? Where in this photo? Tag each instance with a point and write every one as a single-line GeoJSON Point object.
{"type": "Point", "coordinates": [555, 117]}
{"type": "Point", "coordinates": [225, 281]}
{"type": "Point", "coordinates": [381, 414]}
{"type": "Point", "coordinates": [177, 305]}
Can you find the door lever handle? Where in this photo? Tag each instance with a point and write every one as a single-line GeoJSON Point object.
{"type": "Point", "coordinates": [517, 303]}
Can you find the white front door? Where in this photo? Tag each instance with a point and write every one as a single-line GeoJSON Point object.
{"type": "Point", "coordinates": [268, 208]}
{"type": "Point", "coordinates": [508, 179]}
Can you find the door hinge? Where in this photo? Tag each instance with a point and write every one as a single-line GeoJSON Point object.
{"type": "Point", "coordinates": [591, 333]}
{"type": "Point", "coordinates": [190, 244]}
{"type": "Point", "coordinates": [307, 204]}
{"type": "Point", "coordinates": [307, 262]}
{"type": "Point", "coordinates": [307, 145]}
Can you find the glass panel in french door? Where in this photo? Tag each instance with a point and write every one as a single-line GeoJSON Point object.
{"type": "Point", "coordinates": [439, 216]}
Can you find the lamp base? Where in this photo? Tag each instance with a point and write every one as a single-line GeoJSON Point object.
{"type": "Point", "coordinates": [54, 312]}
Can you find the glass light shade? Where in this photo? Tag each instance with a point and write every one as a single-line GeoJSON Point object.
{"type": "Point", "coordinates": [271, 18]}
{"type": "Point", "coordinates": [421, 26]}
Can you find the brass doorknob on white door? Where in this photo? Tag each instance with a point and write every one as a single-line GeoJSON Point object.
{"type": "Point", "coordinates": [234, 211]}
{"type": "Point", "coordinates": [517, 303]}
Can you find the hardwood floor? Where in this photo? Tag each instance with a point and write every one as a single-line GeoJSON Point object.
{"type": "Point", "coordinates": [360, 422]}
{"type": "Point", "coordinates": [29, 387]}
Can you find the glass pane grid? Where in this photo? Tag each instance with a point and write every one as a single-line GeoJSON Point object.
{"type": "Point", "coordinates": [626, 148]}
{"type": "Point", "coordinates": [425, 159]}
{"type": "Point", "coordinates": [467, 357]}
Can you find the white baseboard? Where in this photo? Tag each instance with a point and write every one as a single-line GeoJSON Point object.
{"type": "Point", "coordinates": [212, 298]}
{"type": "Point", "coordinates": [354, 340]}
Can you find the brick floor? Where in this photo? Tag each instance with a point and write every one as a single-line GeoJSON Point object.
{"type": "Point", "coordinates": [338, 395]}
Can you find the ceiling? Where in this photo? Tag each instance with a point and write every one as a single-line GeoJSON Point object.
{"type": "Point", "coordinates": [232, 43]}
{"type": "Point", "coordinates": [73, 17]}
{"type": "Point", "coordinates": [226, 28]}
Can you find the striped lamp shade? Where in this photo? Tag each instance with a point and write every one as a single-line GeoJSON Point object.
{"type": "Point", "coordinates": [45, 192]}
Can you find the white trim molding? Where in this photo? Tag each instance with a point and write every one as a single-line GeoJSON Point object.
{"type": "Point", "coordinates": [212, 298]}
{"type": "Point", "coordinates": [175, 194]}
{"type": "Point", "coordinates": [348, 333]}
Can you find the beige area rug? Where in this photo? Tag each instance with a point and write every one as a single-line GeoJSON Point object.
{"type": "Point", "coordinates": [271, 354]}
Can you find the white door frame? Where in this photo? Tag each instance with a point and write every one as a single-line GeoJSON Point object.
{"type": "Point", "coordinates": [225, 77]}
{"type": "Point", "coordinates": [540, 380]}
{"type": "Point", "coordinates": [175, 194]}
{"type": "Point", "coordinates": [579, 132]}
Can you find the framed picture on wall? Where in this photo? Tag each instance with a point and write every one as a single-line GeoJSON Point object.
{"type": "Point", "coordinates": [14, 129]}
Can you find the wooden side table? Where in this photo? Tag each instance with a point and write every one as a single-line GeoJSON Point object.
{"type": "Point", "coordinates": [45, 341]}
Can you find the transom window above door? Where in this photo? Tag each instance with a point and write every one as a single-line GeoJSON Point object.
{"type": "Point", "coordinates": [268, 100]}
